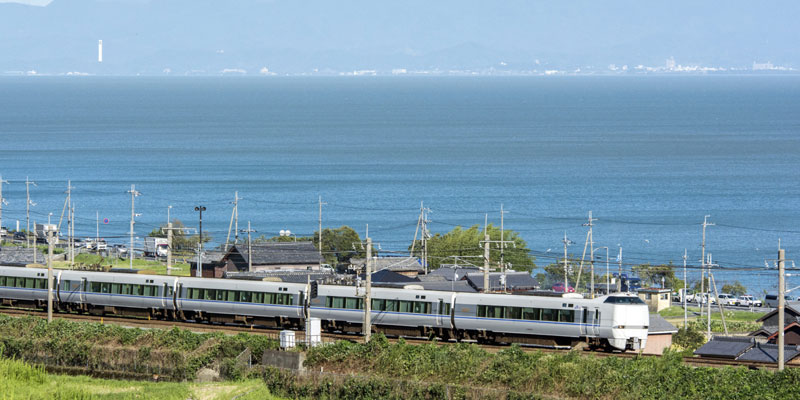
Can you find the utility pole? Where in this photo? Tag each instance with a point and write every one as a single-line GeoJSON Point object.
{"type": "Point", "coordinates": [49, 274]}
{"type": "Point", "coordinates": [67, 206]}
{"type": "Point", "coordinates": [486, 253]}
{"type": "Point", "coordinates": [28, 204]}
{"type": "Point", "coordinates": [685, 311]}
{"type": "Point", "coordinates": [619, 274]}
{"type": "Point", "coordinates": [425, 236]}
{"type": "Point", "coordinates": [2, 200]}
{"type": "Point", "coordinates": [199, 271]}
{"type": "Point", "coordinates": [169, 245]}
{"type": "Point", "coordinates": [589, 242]}
{"type": "Point", "coordinates": [320, 226]}
{"type": "Point", "coordinates": [97, 232]}
{"type": "Point", "coordinates": [134, 194]}
{"type": "Point", "coordinates": [716, 294]}
{"type": "Point", "coordinates": [234, 218]}
{"type": "Point", "coordinates": [169, 230]}
{"type": "Point", "coordinates": [419, 222]}
{"type": "Point", "coordinates": [502, 247]}
{"type": "Point", "coordinates": [703, 266]}
{"type": "Point", "coordinates": [249, 247]}
{"type": "Point", "coordinates": [35, 250]}
{"type": "Point", "coordinates": [368, 294]}
{"type": "Point", "coordinates": [566, 242]}
{"type": "Point", "coordinates": [71, 229]}
{"type": "Point", "coordinates": [781, 306]}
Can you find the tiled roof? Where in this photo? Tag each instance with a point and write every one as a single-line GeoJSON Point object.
{"type": "Point", "coordinates": [659, 325]}
{"type": "Point", "coordinates": [450, 272]}
{"type": "Point", "coordinates": [387, 276]}
{"type": "Point", "coordinates": [274, 253]}
{"type": "Point", "coordinates": [390, 263]}
{"type": "Point", "coordinates": [766, 352]}
{"type": "Point", "coordinates": [514, 281]}
{"type": "Point", "coordinates": [725, 347]}
{"type": "Point", "coordinates": [19, 256]}
{"type": "Point", "coordinates": [789, 311]}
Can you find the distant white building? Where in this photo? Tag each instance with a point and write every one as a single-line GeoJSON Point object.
{"type": "Point", "coordinates": [100, 51]}
{"type": "Point", "coordinates": [671, 63]}
{"type": "Point", "coordinates": [762, 66]}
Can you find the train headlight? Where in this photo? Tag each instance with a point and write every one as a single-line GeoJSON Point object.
{"type": "Point", "coordinates": [619, 327]}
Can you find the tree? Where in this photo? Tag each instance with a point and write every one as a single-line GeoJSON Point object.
{"type": "Point", "coordinates": [736, 289]}
{"type": "Point", "coordinates": [653, 274]}
{"type": "Point", "coordinates": [338, 245]}
{"type": "Point", "coordinates": [466, 242]}
{"type": "Point", "coordinates": [180, 240]}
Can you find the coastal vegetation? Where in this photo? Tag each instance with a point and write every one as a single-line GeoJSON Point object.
{"type": "Point", "coordinates": [467, 244]}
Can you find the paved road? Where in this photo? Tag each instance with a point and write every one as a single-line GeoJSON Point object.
{"type": "Point", "coordinates": [714, 307]}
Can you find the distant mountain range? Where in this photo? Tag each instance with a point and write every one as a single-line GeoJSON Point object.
{"type": "Point", "coordinates": [209, 37]}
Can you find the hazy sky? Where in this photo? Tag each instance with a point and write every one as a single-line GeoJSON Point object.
{"type": "Point", "coordinates": [151, 36]}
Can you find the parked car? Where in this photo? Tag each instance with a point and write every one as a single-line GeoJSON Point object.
{"type": "Point", "coordinates": [678, 296]}
{"type": "Point", "coordinates": [726, 299]}
{"type": "Point", "coordinates": [20, 236]}
{"type": "Point", "coordinates": [559, 287]}
{"type": "Point", "coordinates": [700, 298]}
{"type": "Point", "coordinates": [120, 249]}
{"type": "Point", "coordinates": [748, 301]}
{"type": "Point", "coordinates": [771, 300]}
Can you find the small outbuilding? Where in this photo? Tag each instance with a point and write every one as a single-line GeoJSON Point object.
{"type": "Point", "coordinates": [656, 299]}
{"type": "Point", "coordinates": [659, 335]}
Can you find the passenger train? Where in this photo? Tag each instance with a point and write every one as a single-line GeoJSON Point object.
{"type": "Point", "coordinates": [614, 322]}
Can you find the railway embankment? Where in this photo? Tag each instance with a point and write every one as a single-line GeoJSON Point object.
{"type": "Point", "coordinates": [381, 368]}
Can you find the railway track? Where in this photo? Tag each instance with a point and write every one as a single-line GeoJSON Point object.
{"type": "Point", "coordinates": [332, 337]}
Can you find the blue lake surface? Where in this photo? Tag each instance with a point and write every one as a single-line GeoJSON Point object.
{"type": "Point", "coordinates": [649, 156]}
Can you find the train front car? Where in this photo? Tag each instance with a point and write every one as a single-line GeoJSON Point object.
{"type": "Point", "coordinates": [629, 321]}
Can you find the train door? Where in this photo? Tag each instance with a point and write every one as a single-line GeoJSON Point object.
{"type": "Point", "coordinates": [440, 312]}
{"type": "Point", "coordinates": [593, 322]}
{"type": "Point", "coordinates": [582, 318]}
{"type": "Point", "coordinates": [165, 297]}
{"type": "Point", "coordinates": [84, 287]}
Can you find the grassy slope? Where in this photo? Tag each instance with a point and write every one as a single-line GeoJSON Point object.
{"type": "Point", "coordinates": [19, 380]}
{"type": "Point", "coordinates": [156, 267]}
{"type": "Point", "coordinates": [736, 319]}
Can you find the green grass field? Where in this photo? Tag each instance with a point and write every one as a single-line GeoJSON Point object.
{"type": "Point", "coordinates": [19, 380]}
{"type": "Point", "coordinates": [737, 321]}
{"type": "Point", "coordinates": [156, 267]}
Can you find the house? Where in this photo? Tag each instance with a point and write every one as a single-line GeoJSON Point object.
{"type": "Point", "coordinates": [769, 322]}
{"type": "Point", "coordinates": [657, 299]}
{"type": "Point", "coordinates": [273, 256]}
{"type": "Point", "coordinates": [515, 281]}
{"type": "Point", "coordinates": [213, 267]}
{"type": "Point", "coordinates": [20, 256]}
{"type": "Point", "coordinates": [791, 335]}
{"type": "Point", "coordinates": [746, 349]}
{"type": "Point", "coordinates": [659, 335]}
{"type": "Point", "coordinates": [408, 266]}
{"type": "Point", "coordinates": [452, 272]}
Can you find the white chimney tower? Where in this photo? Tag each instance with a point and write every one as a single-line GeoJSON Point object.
{"type": "Point", "coordinates": [100, 51]}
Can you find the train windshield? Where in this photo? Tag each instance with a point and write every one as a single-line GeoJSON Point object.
{"type": "Point", "coordinates": [624, 300]}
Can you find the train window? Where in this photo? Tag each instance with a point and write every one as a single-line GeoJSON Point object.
{"type": "Point", "coordinates": [2, 280]}
{"type": "Point", "coordinates": [96, 287]}
{"type": "Point", "coordinates": [126, 288]}
{"type": "Point", "coordinates": [279, 297]}
{"type": "Point", "coordinates": [531, 314]}
{"type": "Point", "coordinates": [258, 297]}
{"type": "Point", "coordinates": [624, 300]}
{"type": "Point", "coordinates": [116, 288]}
{"type": "Point", "coordinates": [246, 296]}
{"type": "Point", "coordinates": [351, 303]}
{"type": "Point", "coordinates": [378, 304]}
{"type": "Point", "coordinates": [422, 307]}
{"type": "Point", "coordinates": [29, 283]}
{"type": "Point", "coordinates": [444, 308]}
{"type": "Point", "coordinates": [514, 312]}
{"type": "Point", "coordinates": [233, 295]}
{"type": "Point", "coordinates": [210, 294]}
{"type": "Point", "coordinates": [150, 290]}
{"type": "Point", "coordinates": [41, 283]}
{"type": "Point", "coordinates": [406, 306]}
{"type": "Point", "coordinates": [549, 314]}
{"type": "Point", "coordinates": [391, 305]}
{"type": "Point", "coordinates": [105, 287]}
{"type": "Point", "coordinates": [289, 299]}
{"type": "Point", "coordinates": [481, 311]}
{"type": "Point", "coordinates": [221, 295]}
{"type": "Point", "coordinates": [495, 312]}
{"type": "Point", "coordinates": [566, 315]}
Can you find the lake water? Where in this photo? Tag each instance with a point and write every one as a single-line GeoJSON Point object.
{"type": "Point", "coordinates": [649, 156]}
